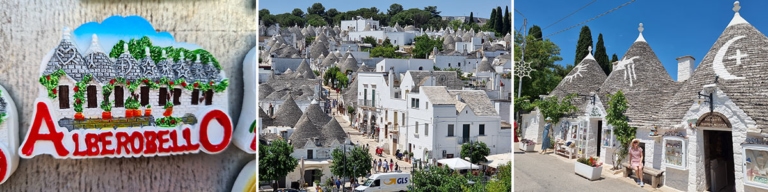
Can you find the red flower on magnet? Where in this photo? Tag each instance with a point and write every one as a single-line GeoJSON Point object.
{"type": "Point", "coordinates": [112, 82]}
{"type": "Point", "coordinates": [183, 84]}
{"type": "Point", "coordinates": [173, 121]}
{"type": "Point", "coordinates": [170, 82]}
{"type": "Point", "coordinates": [127, 82]}
{"type": "Point", "coordinates": [48, 77]}
{"type": "Point", "coordinates": [146, 81]}
{"type": "Point", "coordinates": [54, 90]}
{"type": "Point", "coordinates": [76, 89]}
{"type": "Point", "coordinates": [195, 85]}
{"type": "Point", "coordinates": [78, 101]}
{"type": "Point", "coordinates": [211, 83]}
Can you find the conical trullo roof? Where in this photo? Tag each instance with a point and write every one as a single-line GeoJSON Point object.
{"type": "Point", "coordinates": [586, 77]}
{"type": "Point", "coordinates": [738, 59]}
{"type": "Point", "coordinates": [350, 64]}
{"type": "Point", "coordinates": [333, 130]}
{"type": "Point", "coordinates": [485, 66]}
{"type": "Point", "coordinates": [642, 78]}
{"type": "Point", "coordinates": [265, 90]}
{"type": "Point", "coordinates": [98, 62]}
{"type": "Point", "coordinates": [350, 95]}
{"type": "Point", "coordinates": [329, 60]}
{"type": "Point", "coordinates": [303, 67]}
{"type": "Point", "coordinates": [303, 131]}
{"type": "Point", "coordinates": [288, 113]}
{"type": "Point", "coordinates": [316, 114]}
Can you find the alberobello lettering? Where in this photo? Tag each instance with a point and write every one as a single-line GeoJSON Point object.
{"type": "Point", "coordinates": [45, 138]}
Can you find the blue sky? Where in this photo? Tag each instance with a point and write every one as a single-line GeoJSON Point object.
{"type": "Point", "coordinates": [481, 8]}
{"type": "Point", "coordinates": [672, 28]}
{"type": "Point", "coordinates": [115, 28]}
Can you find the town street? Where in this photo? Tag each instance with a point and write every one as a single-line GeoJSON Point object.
{"type": "Point", "coordinates": [536, 172]}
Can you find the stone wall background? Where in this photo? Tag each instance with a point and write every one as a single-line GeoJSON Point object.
{"type": "Point", "coordinates": [29, 29]}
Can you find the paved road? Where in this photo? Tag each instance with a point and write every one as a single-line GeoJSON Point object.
{"type": "Point", "coordinates": [535, 172]}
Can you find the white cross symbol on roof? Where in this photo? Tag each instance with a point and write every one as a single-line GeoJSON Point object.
{"type": "Point", "coordinates": [738, 56]}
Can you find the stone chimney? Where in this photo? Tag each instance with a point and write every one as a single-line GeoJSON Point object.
{"type": "Point", "coordinates": [391, 77]}
{"type": "Point", "coordinates": [685, 67]}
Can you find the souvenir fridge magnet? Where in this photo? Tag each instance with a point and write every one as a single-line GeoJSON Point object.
{"type": "Point", "coordinates": [246, 180]}
{"type": "Point", "coordinates": [245, 133]}
{"type": "Point", "coordinates": [9, 139]}
{"type": "Point", "coordinates": [120, 89]}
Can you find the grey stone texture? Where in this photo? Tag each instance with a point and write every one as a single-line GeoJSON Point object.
{"type": "Point", "coordinates": [30, 29]}
{"type": "Point", "coordinates": [100, 66]}
{"type": "Point", "coordinates": [582, 82]}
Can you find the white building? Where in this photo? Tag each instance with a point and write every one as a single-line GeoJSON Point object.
{"type": "Point", "coordinates": [360, 24]}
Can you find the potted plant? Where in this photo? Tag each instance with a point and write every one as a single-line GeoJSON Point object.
{"type": "Point", "coordinates": [107, 107]}
{"type": "Point", "coordinates": [589, 168]}
{"type": "Point", "coordinates": [168, 109]}
{"type": "Point", "coordinates": [147, 110]}
{"type": "Point", "coordinates": [527, 145]}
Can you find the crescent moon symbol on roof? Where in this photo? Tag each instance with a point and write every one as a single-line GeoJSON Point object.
{"type": "Point", "coordinates": [718, 65]}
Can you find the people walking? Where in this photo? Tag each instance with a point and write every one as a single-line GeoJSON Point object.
{"type": "Point", "coordinates": [397, 167]}
{"type": "Point", "coordinates": [379, 166]}
{"type": "Point", "coordinates": [391, 164]}
{"type": "Point", "coordinates": [546, 141]}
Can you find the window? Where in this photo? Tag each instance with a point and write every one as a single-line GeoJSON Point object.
{"type": "Point", "coordinates": [386, 115]}
{"type": "Point", "coordinates": [426, 129]}
{"type": "Point", "coordinates": [482, 129]}
{"type": "Point", "coordinates": [144, 96]}
{"type": "Point", "coordinates": [209, 97]}
{"type": "Point", "coordinates": [195, 96]}
{"type": "Point", "coordinates": [421, 68]}
{"type": "Point", "coordinates": [63, 97]}
{"type": "Point", "coordinates": [309, 154]}
{"type": "Point", "coordinates": [427, 105]}
{"type": "Point", "coordinates": [119, 97]}
{"type": "Point", "coordinates": [163, 96]}
{"type": "Point", "coordinates": [414, 103]}
{"type": "Point", "coordinates": [375, 183]}
{"type": "Point", "coordinates": [365, 96]}
{"type": "Point", "coordinates": [450, 130]}
{"type": "Point", "coordinates": [459, 64]}
{"type": "Point", "coordinates": [417, 127]}
{"type": "Point", "coordinates": [403, 120]}
{"type": "Point", "coordinates": [92, 98]}
{"type": "Point", "coordinates": [373, 97]}
{"type": "Point", "coordinates": [176, 95]}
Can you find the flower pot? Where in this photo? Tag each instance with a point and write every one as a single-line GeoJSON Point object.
{"type": "Point", "coordinates": [106, 115]}
{"type": "Point", "coordinates": [79, 116]}
{"type": "Point", "coordinates": [128, 113]}
{"type": "Point", "coordinates": [136, 113]}
{"type": "Point", "coordinates": [147, 112]}
{"type": "Point", "coordinates": [526, 148]}
{"type": "Point", "coordinates": [168, 112]}
{"type": "Point", "coordinates": [589, 172]}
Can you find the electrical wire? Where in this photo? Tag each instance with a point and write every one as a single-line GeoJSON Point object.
{"type": "Point", "coordinates": [585, 6]}
{"type": "Point", "coordinates": [593, 18]}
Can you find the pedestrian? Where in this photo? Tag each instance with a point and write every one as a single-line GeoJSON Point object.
{"type": "Point", "coordinates": [636, 160]}
{"type": "Point", "coordinates": [386, 166]}
{"type": "Point", "coordinates": [379, 166]}
{"type": "Point", "coordinates": [545, 135]}
{"type": "Point", "coordinates": [338, 183]}
{"type": "Point", "coordinates": [391, 165]}
{"type": "Point", "coordinates": [397, 167]}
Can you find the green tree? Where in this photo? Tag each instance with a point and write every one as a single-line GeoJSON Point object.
{"type": "Point", "coordinates": [523, 104]}
{"type": "Point", "coordinates": [535, 31]}
{"type": "Point", "coordinates": [330, 15]}
{"type": "Point", "coordinates": [278, 156]}
{"type": "Point", "coordinates": [455, 24]}
{"type": "Point", "coordinates": [298, 12]}
{"type": "Point", "coordinates": [585, 41]}
{"type": "Point", "coordinates": [471, 18]}
{"type": "Point", "coordinates": [601, 57]}
{"type": "Point", "coordinates": [459, 73]}
{"type": "Point", "coordinates": [353, 164]}
{"type": "Point", "coordinates": [441, 179]}
{"type": "Point", "coordinates": [413, 16]}
{"type": "Point", "coordinates": [432, 11]}
{"type": "Point", "coordinates": [614, 58]}
{"type": "Point", "coordinates": [263, 12]}
{"type": "Point", "coordinates": [541, 55]}
{"type": "Point", "coordinates": [330, 76]}
{"type": "Point", "coordinates": [617, 106]}
{"type": "Point", "coordinates": [492, 19]}
{"type": "Point", "coordinates": [499, 23]}
{"type": "Point", "coordinates": [425, 44]}
{"type": "Point", "coordinates": [370, 40]}
{"type": "Point", "coordinates": [394, 9]}
{"type": "Point", "coordinates": [287, 19]}
{"type": "Point", "coordinates": [502, 180]}
{"type": "Point", "coordinates": [317, 9]}
{"type": "Point", "coordinates": [316, 20]}
{"type": "Point", "coordinates": [507, 22]}
{"type": "Point", "coordinates": [555, 108]}
{"type": "Point", "coordinates": [342, 78]}
{"type": "Point", "coordinates": [384, 51]}
{"type": "Point", "coordinates": [476, 151]}
{"type": "Point", "coordinates": [386, 43]}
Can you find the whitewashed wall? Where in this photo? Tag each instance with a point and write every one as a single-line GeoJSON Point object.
{"type": "Point", "coordinates": [29, 29]}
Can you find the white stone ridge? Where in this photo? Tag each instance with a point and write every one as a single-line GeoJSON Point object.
{"type": "Point", "coordinates": [737, 19]}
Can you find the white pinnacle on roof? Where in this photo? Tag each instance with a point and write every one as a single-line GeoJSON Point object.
{"type": "Point", "coordinates": [314, 102]}
{"type": "Point", "coordinates": [197, 59]}
{"type": "Point", "coordinates": [125, 48]}
{"type": "Point", "coordinates": [65, 34]}
{"type": "Point", "coordinates": [181, 57]}
{"type": "Point", "coordinates": [94, 45]}
{"type": "Point", "coordinates": [589, 54]}
{"type": "Point", "coordinates": [737, 19]}
{"type": "Point", "coordinates": [146, 51]}
{"type": "Point", "coordinates": [640, 37]}
{"type": "Point", "coordinates": [164, 54]}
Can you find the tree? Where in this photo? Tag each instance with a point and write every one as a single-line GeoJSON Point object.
{"type": "Point", "coordinates": [330, 76]}
{"type": "Point", "coordinates": [278, 156]}
{"type": "Point", "coordinates": [352, 164]}
{"type": "Point", "coordinates": [476, 151]}
{"type": "Point", "coordinates": [535, 31]}
{"type": "Point", "coordinates": [492, 19]}
{"type": "Point", "coordinates": [614, 58]}
{"type": "Point", "coordinates": [459, 73]}
{"type": "Point", "coordinates": [617, 106]}
{"type": "Point", "coordinates": [287, 19]}
{"type": "Point", "coordinates": [263, 12]}
{"type": "Point", "coordinates": [585, 41]}
{"type": "Point", "coordinates": [455, 24]}
{"type": "Point", "coordinates": [298, 12]}
{"type": "Point", "coordinates": [503, 179]}
{"type": "Point", "coordinates": [316, 20]}
{"type": "Point", "coordinates": [370, 40]}
{"type": "Point", "coordinates": [471, 18]}
{"type": "Point", "coordinates": [424, 45]}
{"type": "Point", "coordinates": [384, 51]}
{"type": "Point", "coordinates": [432, 11]}
{"type": "Point", "coordinates": [330, 15]}
{"type": "Point", "coordinates": [541, 55]}
{"type": "Point", "coordinates": [342, 78]}
{"type": "Point", "coordinates": [435, 178]}
{"type": "Point", "coordinates": [507, 22]}
{"type": "Point", "coordinates": [317, 9]}
{"type": "Point", "coordinates": [554, 109]}
{"type": "Point", "coordinates": [394, 9]}
{"type": "Point", "coordinates": [386, 43]}
{"type": "Point", "coordinates": [499, 23]}
{"type": "Point", "coordinates": [601, 57]}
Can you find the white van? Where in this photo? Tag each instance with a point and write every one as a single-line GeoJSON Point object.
{"type": "Point", "coordinates": [385, 182]}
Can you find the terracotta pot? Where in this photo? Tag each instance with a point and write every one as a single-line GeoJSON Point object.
{"type": "Point", "coordinates": [106, 115]}
{"type": "Point", "coordinates": [136, 113]}
{"type": "Point", "coordinates": [147, 112]}
{"type": "Point", "coordinates": [79, 116]}
{"type": "Point", "coordinates": [128, 113]}
{"type": "Point", "coordinates": [168, 112]}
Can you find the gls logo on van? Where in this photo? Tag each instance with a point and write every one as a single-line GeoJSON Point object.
{"type": "Point", "coordinates": [397, 180]}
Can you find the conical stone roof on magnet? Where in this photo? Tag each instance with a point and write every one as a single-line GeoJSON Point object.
{"type": "Point", "coordinates": [288, 113]}
{"type": "Point", "coordinates": [738, 59]}
{"type": "Point", "coordinates": [304, 131]}
{"type": "Point", "coordinates": [333, 130]}
{"type": "Point", "coordinates": [642, 78]}
{"type": "Point", "coordinates": [98, 62]}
